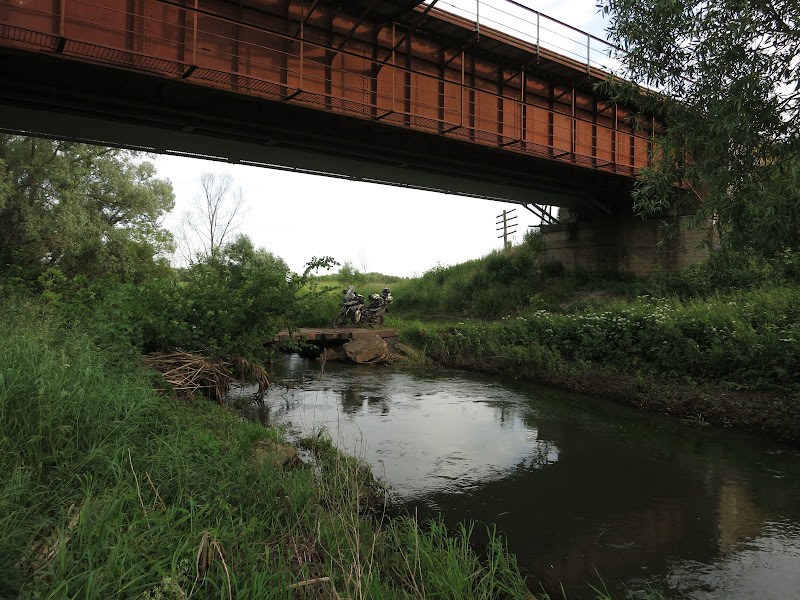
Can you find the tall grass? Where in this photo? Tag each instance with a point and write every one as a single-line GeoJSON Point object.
{"type": "Point", "coordinates": [518, 280]}
{"type": "Point", "coordinates": [752, 339]}
{"type": "Point", "coordinates": [110, 490]}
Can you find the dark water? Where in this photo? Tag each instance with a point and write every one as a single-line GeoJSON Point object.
{"type": "Point", "coordinates": [579, 486]}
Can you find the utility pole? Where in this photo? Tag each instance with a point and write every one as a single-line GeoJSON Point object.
{"type": "Point", "coordinates": [505, 223]}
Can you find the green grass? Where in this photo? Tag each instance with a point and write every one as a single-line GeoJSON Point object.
{"type": "Point", "coordinates": [520, 279]}
{"type": "Point", "coordinates": [731, 323]}
{"type": "Point", "coordinates": [750, 338]}
{"type": "Point", "coordinates": [108, 489]}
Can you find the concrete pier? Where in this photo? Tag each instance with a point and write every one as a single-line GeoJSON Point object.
{"type": "Point", "coordinates": [624, 243]}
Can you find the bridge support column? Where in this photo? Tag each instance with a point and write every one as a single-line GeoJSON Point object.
{"type": "Point", "coordinates": [624, 243]}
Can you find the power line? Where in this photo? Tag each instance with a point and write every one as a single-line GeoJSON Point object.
{"type": "Point", "coordinates": [506, 225]}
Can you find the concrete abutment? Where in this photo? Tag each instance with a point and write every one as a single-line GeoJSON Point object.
{"type": "Point", "coordinates": [625, 243]}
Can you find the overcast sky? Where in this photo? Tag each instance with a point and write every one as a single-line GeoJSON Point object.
{"type": "Point", "coordinates": [394, 230]}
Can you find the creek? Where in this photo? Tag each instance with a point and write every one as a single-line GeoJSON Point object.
{"type": "Point", "coordinates": [581, 488]}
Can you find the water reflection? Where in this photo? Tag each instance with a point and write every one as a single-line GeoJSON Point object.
{"type": "Point", "coordinates": [425, 434]}
{"type": "Point", "coordinates": [766, 565]}
{"type": "Point", "coordinates": [577, 485]}
{"type": "Point", "coordinates": [739, 519]}
{"type": "Point", "coordinates": [353, 400]}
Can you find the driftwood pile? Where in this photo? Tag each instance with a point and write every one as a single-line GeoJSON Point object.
{"type": "Point", "coordinates": [189, 374]}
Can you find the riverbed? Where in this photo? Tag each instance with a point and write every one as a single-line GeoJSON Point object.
{"type": "Point", "coordinates": [585, 491]}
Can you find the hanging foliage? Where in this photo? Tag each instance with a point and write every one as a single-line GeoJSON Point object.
{"type": "Point", "coordinates": [725, 78]}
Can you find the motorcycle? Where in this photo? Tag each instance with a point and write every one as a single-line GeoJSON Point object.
{"type": "Point", "coordinates": [353, 309]}
{"type": "Point", "coordinates": [350, 307]}
{"type": "Point", "coordinates": [372, 314]}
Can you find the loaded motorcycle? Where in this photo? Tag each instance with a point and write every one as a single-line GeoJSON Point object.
{"type": "Point", "coordinates": [350, 307]}
{"type": "Point", "coordinates": [372, 314]}
{"type": "Point", "coordinates": [353, 309]}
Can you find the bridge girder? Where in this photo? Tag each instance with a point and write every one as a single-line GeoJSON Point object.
{"type": "Point", "coordinates": [189, 104]}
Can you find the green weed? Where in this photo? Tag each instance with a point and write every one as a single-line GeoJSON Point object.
{"type": "Point", "coordinates": [110, 490]}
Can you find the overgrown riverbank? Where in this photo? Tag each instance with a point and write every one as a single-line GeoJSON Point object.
{"type": "Point", "coordinates": [110, 489]}
{"type": "Point", "coordinates": [772, 412]}
{"type": "Point", "coordinates": [716, 344]}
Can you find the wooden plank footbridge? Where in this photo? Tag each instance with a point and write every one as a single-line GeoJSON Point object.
{"type": "Point", "coordinates": [330, 334]}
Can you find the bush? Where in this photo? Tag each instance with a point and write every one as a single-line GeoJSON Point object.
{"type": "Point", "coordinates": [750, 339]}
{"type": "Point", "coordinates": [231, 303]}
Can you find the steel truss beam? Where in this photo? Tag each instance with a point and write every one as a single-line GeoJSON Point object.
{"type": "Point", "coordinates": [542, 212]}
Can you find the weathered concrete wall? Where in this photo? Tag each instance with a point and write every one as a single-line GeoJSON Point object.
{"type": "Point", "coordinates": [623, 243]}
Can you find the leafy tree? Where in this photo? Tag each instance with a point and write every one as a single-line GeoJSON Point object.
{"type": "Point", "coordinates": [728, 83]}
{"type": "Point", "coordinates": [239, 298]}
{"type": "Point", "coordinates": [79, 209]}
{"type": "Point", "coordinates": [350, 275]}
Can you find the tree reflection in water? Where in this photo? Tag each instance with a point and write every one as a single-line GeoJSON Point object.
{"type": "Point", "coordinates": [578, 485]}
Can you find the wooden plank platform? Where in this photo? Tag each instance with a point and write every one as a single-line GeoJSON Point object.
{"type": "Point", "coordinates": [311, 334]}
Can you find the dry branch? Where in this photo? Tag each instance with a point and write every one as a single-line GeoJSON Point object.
{"type": "Point", "coordinates": [43, 551]}
{"type": "Point", "coordinates": [190, 373]}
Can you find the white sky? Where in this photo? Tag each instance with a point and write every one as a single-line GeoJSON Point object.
{"type": "Point", "coordinates": [400, 232]}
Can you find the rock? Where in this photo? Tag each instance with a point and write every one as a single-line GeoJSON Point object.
{"type": "Point", "coordinates": [272, 453]}
{"type": "Point", "coordinates": [366, 349]}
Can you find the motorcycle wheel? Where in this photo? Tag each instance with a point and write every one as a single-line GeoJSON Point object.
{"type": "Point", "coordinates": [379, 321]}
{"type": "Point", "coordinates": [338, 319]}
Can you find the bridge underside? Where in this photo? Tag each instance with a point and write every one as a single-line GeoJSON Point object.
{"type": "Point", "coordinates": [377, 91]}
{"type": "Point", "coordinates": [174, 117]}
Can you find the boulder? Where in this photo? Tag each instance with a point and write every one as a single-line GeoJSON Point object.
{"type": "Point", "coordinates": [367, 349]}
{"type": "Point", "coordinates": [273, 453]}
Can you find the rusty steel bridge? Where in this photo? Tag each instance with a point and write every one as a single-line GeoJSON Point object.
{"type": "Point", "coordinates": [401, 92]}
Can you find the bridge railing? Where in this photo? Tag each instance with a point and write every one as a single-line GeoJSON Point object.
{"type": "Point", "coordinates": [538, 29]}
{"type": "Point", "coordinates": [292, 58]}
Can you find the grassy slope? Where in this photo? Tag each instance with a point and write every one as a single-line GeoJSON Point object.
{"type": "Point", "coordinates": [110, 490]}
